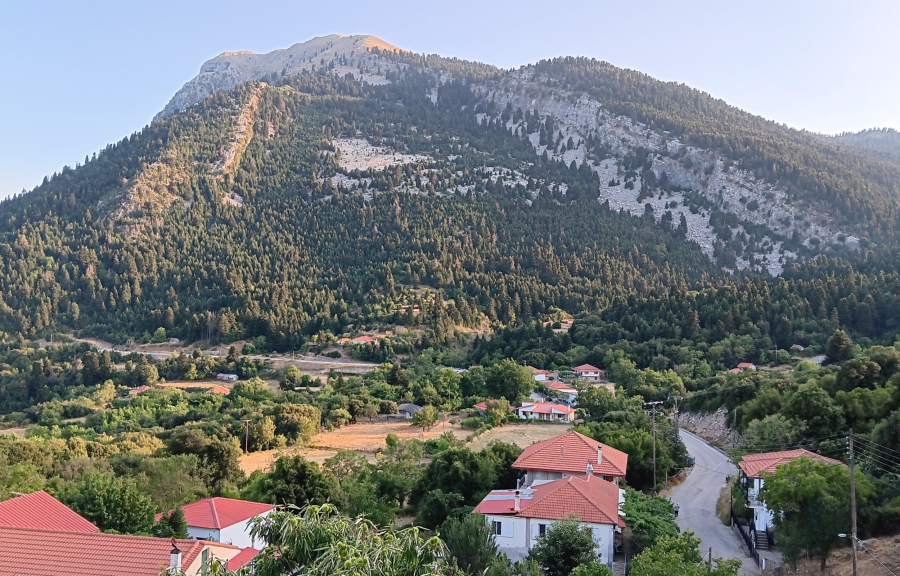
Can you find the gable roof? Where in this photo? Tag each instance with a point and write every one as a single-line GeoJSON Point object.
{"type": "Point", "coordinates": [219, 390]}
{"type": "Point", "coordinates": [546, 408]}
{"type": "Point", "coordinates": [42, 511]}
{"type": "Point", "coordinates": [754, 465]}
{"type": "Point", "coordinates": [560, 387]}
{"type": "Point", "coordinates": [746, 365]}
{"type": "Point", "coordinates": [217, 513]}
{"type": "Point", "coordinates": [243, 557]}
{"type": "Point", "coordinates": [586, 368]}
{"type": "Point", "coordinates": [590, 499]}
{"type": "Point", "coordinates": [577, 450]}
{"type": "Point", "coordinates": [30, 552]}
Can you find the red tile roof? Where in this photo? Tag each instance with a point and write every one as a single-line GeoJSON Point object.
{"type": "Point", "coordinates": [245, 556]}
{"type": "Point", "coordinates": [29, 552]}
{"type": "Point", "coordinates": [42, 511]}
{"type": "Point", "coordinates": [560, 387]}
{"type": "Point", "coordinates": [217, 513]}
{"type": "Point", "coordinates": [586, 368]}
{"type": "Point", "coordinates": [590, 499]}
{"type": "Point", "coordinates": [219, 390]}
{"type": "Point", "coordinates": [754, 465]}
{"type": "Point", "coordinates": [138, 390]}
{"type": "Point", "coordinates": [364, 339]}
{"type": "Point", "coordinates": [745, 365]}
{"type": "Point", "coordinates": [546, 408]}
{"type": "Point", "coordinates": [735, 371]}
{"type": "Point", "coordinates": [573, 458]}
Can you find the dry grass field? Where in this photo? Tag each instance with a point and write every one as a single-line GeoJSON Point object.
{"type": "Point", "coordinates": [369, 437]}
{"type": "Point", "coordinates": [523, 435]}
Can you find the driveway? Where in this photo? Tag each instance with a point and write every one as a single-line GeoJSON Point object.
{"type": "Point", "coordinates": [697, 497]}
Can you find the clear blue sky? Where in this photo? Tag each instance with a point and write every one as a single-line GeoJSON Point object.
{"type": "Point", "coordinates": [79, 75]}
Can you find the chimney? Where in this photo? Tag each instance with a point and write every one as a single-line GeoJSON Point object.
{"type": "Point", "coordinates": [517, 504]}
{"type": "Point", "coordinates": [562, 451]}
{"type": "Point", "coordinates": [590, 469]}
{"type": "Point", "coordinates": [599, 454]}
{"type": "Point", "coordinates": [174, 558]}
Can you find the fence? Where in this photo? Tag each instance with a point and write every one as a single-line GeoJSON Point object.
{"type": "Point", "coordinates": [745, 534]}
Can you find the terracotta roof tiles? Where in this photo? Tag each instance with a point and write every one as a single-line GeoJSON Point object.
{"type": "Point", "coordinates": [754, 465]}
{"type": "Point", "coordinates": [218, 513]}
{"type": "Point", "coordinates": [29, 552]}
{"type": "Point", "coordinates": [590, 499]}
{"type": "Point", "coordinates": [42, 511]}
{"type": "Point", "coordinates": [577, 450]}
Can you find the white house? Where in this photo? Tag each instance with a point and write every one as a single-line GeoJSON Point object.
{"type": "Point", "coordinates": [589, 373]}
{"type": "Point", "coordinates": [224, 520]}
{"type": "Point", "coordinates": [408, 410]}
{"type": "Point", "coordinates": [518, 517]}
{"type": "Point", "coordinates": [541, 375]}
{"type": "Point", "coordinates": [754, 467]}
{"type": "Point", "coordinates": [226, 377]}
{"type": "Point", "coordinates": [566, 393]}
{"type": "Point", "coordinates": [546, 411]}
{"type": "Point", "coordinates": [570, 454]}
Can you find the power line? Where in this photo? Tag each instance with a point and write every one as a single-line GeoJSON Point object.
{"type": "Point", "coordinates": [876, 558]}
{"type": "Point", "coordinates": [880, 446]}
{"type": "Point", "coordinates": [881, 450]}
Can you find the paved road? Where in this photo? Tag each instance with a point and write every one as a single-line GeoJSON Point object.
{"type": "Point", "coordinates": [697, 497]}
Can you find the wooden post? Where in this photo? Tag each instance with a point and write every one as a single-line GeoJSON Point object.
{"type": "Point", "coordinates": [709, 566]}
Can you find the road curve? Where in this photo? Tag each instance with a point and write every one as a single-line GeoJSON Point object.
{"type": "Point", "coordinates": [697, 497]}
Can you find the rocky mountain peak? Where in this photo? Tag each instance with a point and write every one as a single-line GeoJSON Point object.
{"type": "Point", "coordinates": [229, 69]}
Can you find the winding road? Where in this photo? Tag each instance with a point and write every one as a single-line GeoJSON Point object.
{"type": "Point", "coordinates": [697, 497]}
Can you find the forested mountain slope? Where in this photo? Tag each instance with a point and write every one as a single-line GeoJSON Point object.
{"type": "Point", "coordinates": [370, 186]}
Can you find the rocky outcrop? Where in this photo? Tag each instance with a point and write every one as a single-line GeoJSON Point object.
{"type": "Point", "coordinates": [229, 69]}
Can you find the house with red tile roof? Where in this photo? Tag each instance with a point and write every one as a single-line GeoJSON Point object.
{"type": "Point", "coordinates": [589, 373]}
{"type": "Point", "coordinates": [245, 557]}
{"type": "Point", "coordinates": [570, 454]}
{"type": "Point", "coordinates": [364, 340]}
{"type": "Point", "coordinates": [33, 552]}
{"type": "Point", "coordinates": [746, 366]}
{"type": "Point", "coordinates": [754, 468]}
{"type": "Point", "coordinates": [219, 390]}
{"type": "Point", "coordinates": [223, 520]}
{"type": "Point", "coordinates": [566, 393]}
{"type": "Point", "coordinates": [518, 517]}
{"type": "Point", "coordinates": [546, 411]}
{"type": "Point", "coordinates": [42, 511]}
{"type": "Point", "coordinates": [541, 375]}
{"type": "Point", "coordinates": [138, 390]}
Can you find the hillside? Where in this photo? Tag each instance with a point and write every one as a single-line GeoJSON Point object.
{"type": "Point", "coordinates": [884, 142]}
{"type": "Point", "coordinates": [344, 185]}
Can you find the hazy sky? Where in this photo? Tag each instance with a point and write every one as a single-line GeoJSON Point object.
{"type": "Point", "coordinates": [79, 75]}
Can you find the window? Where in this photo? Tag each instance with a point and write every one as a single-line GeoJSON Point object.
{"type": "Point", "coordinates": [542, 528]}
{"type": "Point", "coordinates": [498, 528]}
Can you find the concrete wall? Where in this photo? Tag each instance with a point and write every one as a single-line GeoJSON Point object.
{"type": "Point", "coordinates": [518, 536]}
{"type": "Point", "coordinates": [236, 534]}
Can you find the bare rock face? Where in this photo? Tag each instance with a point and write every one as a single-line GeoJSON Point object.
{"type": "Point", "coordinates": [229, 69]}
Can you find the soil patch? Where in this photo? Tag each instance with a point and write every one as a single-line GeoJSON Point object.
{"type": "Point", "coordinates": [369, 436]}
{"type": "Point", "coordinates": [523, 435]}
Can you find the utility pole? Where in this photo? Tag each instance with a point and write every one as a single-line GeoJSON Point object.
{"type": "Point", "coordinates": [653, 406]}
{"type": "Point", "coordinates": [709, 566]}
{"type": "Point", "coordinates": [247, 436]}
{"type": "Point", "coordinates": [677, 431]}
{"type": "Point", "coordinates": [852, 498]}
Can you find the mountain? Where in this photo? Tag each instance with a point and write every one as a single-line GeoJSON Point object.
{"type": "Point", "coordinates": [347, 185]}
{"type": "Point", "coordinates": [229, 69]}
{"type": "Point", "coordinates": [885, 141]}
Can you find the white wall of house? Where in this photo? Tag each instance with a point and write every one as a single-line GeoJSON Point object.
{"type": "Point", "coordinates": [236, 534]}
{"type": "Point", "coordinates": [518, 535]}
{"type": "Point", "coordinates": [762, 516]}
